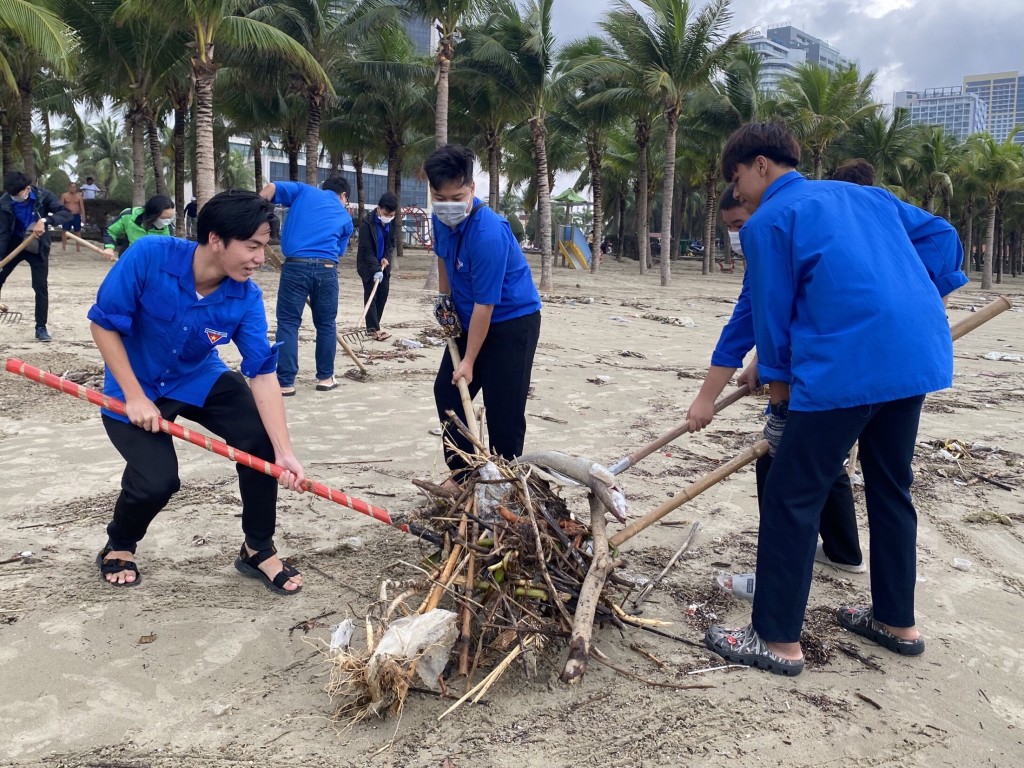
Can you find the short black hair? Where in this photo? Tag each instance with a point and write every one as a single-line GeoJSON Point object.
{"type": "Point", "coordinates": [450, 163]}
{"type": "Point", "coordinates": [88, 178]}
{"type": "Point", "coordinates": [856, 171]}
{"type": "Point", "coordinates": [156, 205]}
{"type": "Point", "coordinates": [728, 200]}
{"type": "Point", "coordinates": [15, 181]}
{"type": "Point", "coordinates": [234, 214]}
{"type": "Point", "coordinates": [336, 184]}
{"type": "Point", "coordinates": [772, 140]}
{"type": "Point", "coordinates": [388, 202]}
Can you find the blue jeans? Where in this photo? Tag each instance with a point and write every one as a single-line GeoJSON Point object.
{"type": "Point", "coordinates": [317, 280]}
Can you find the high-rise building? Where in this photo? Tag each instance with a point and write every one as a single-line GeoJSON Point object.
{"type": "Point", "coordinates": [785, 47]}
{"type": "Point", "coordinates": [959, 113]}
{"type": "Point", "coordinates": [422, 33]}
{"type": "Point", "coordinates": [1003, 96]}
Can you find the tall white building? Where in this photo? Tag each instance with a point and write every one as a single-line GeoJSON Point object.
{"type": "Point", "coordinates": [960, 113]}
{"type": "Point", "coordinates": [785, 47]}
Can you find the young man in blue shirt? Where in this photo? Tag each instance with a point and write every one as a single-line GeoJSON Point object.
{"type": "Point", "coordinates": [483, 268]}
{"type": "Point", "coordinates": [377, 234]}
{"type": "Point", "coordinates": [159, 316]}
{"type": "Point", "coordinates": [316, 233]}
{"type": "Point", "coordinates": [846, 295]}
{"type": "Point", "coordinates": [26, 209]}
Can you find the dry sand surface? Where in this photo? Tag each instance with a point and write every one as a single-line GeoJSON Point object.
{"type": "Point", "coordinates": [232, 674]}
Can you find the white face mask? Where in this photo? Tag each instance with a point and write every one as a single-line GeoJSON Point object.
{"type": "Point", "coordinates": [385, 219]}
{"type": "Point", "coordinates": [161, 223]}
{"type": "Point", "coordinates": [21, 198]}
{"type": "Point", "coordinates": [735, 244]}
{"type": "Point", "coordinates": [452, 213]}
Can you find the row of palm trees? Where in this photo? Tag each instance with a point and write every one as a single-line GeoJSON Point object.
{"type": "Point", "coordinates": [643, 108]}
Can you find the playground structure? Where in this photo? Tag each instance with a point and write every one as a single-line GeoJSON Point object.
{"type": "Point", "coordinates": [418, 231]}
{"type": "Point", "coordinates": [574, 248]}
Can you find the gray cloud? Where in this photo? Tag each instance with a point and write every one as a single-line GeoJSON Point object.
{"type": "Point", "coordinates": [908, 43]}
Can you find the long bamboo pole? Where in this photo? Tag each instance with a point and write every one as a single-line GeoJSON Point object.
{"type": "Point", "coordinates": [21, 247]}
{"type": "Point", "coordinates": [105, 253]}
{"type": "Point", "coordinates": [32, 373]}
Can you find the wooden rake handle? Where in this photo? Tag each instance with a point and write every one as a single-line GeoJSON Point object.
{"type": "Point", "coordinates": [21, 247]}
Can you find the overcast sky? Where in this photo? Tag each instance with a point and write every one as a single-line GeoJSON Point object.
{"type": "Point", "coordinates": [911, 44]}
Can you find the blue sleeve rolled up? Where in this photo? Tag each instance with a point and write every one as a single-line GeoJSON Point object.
{"type": "Point", "coordinates": [117, 300]}
{"type": "Point", "coordinates": [937, 244]}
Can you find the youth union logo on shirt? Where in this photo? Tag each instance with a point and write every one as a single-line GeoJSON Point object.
{"type": "Point", "coordinates": [458, 263]}
{"type": "Point", "coordinates": [215, 336]}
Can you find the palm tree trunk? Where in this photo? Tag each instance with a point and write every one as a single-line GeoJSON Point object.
{"type": "Point", "coordinates": [7, 141]}
{"type": "Point", "coordinates": [540, 152]}
{"type": "Point", "coordinates": [998, 251]}
{"type": "Point", "coordinates": [990, 246]}
{"type": "Point", "coordinates": [178, 140]}
{"type": "Point", "coordinates": [968, 239]}
{"type": "Point", "coordinates": [668, 190]}
{"type": "Point", "coordinates": [620, 225]}
{"type": "Point", "coordinates": [292, 148]}
{"type": "Point", "coordinates": [444, 66]}
{"type": "Point", "coordinates": [594, 155]}
{"type": "Point", "coordinates": [643, 240]}
{"type": "Point", "coordinates": [313, 139]}
{"type": "Point", "coordinates": [816, 155]}
{"type": "Point", "coordinates": [710, 204]}
{"type": "Point", "coordinates": [28, 157]}
{"type": "Point", "coordinates": [493, 169]}
{"type": "Point", "coordinates": [136, 125]}
{"type": "Point", "coordinates": [336, 161]}
{"type": "Point", "coordinates": [357, 163]}
{"type": "Point", "coordinates": [257, 161]}
{"type": "Point", "coordinates": [156, 153]}
{"type": "Point", "coordinates": [205, 176]}
{"type": "Point", "coordinates": [399, 238]}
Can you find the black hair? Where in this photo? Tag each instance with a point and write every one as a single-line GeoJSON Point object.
{"type": "Point", "coordinates": [15, 181]}
{"type": "Point", "coordinates": [388, 202]}
{"type": "Point", "coordinates": [88, 178]}
{"type": "Point", "coordinates": [156, 205]}
{"type": "Point", "coordinates": [235, 214]}
{"type": "Point", "coordinates": [856, 171]}
{"type": "Point", "coordinates": [772, 140]}
{"type": "Point", "coordinates": [728, 200]}
{"type": "Point", "coordinates": [450, 163]}
{"type": "Point", "coordinates": [336, 184]}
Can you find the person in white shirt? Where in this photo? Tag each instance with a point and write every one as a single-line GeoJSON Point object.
{"type": "Point", "coordinates": [89, 190]}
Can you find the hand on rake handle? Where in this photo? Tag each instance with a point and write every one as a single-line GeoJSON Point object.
{"type": "Point", "coordinates": [143, 413]}
{"type": "Point", "coordinates": [294, 477]}
{"type": "Point", "coordinates": [378, 276]}
{"type": "Point", "coordinates": [462, 372]}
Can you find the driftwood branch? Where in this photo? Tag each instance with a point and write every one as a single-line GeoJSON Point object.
{"type": "Point", "coordinates": [584, 471]}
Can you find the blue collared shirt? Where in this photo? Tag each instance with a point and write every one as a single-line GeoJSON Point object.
{"type": "Point", "coordinates": [24, 215]}
{"type": "Point", "coordinates": [383, 230]}
{"type": "Point", "coordinates": [171, 336]}
{"type": "Point", "coordinates": [485, 265]}
{"type": "Point", "coordinates": [318, 225]}
{"type": "Point", "coordinates": [845, 293]}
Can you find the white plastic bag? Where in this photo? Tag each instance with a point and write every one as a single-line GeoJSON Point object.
{"type": "Point", "coordinates": [428, 638]}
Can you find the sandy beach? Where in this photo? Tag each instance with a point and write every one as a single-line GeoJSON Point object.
{"type": "Point", "coordinates": [201, 668]}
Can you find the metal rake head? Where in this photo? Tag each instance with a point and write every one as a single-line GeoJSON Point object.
{"type": "Point", "coordinates": [7, 317]}
{"type": "Point", "coordinates": [356, 337]}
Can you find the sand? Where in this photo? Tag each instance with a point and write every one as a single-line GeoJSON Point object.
{"type": "Point", "coordinates": [233, 675]}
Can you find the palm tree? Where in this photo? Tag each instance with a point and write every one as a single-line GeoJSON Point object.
{"type": "Point", "coordinates": [216, 25]}
{"type": "Point", "coordinates": [934, 160]}
{"type": "Point", "coordinates": [516, 47]}
{"type": "Point", "coordinates": [823, 105]}
{"type": "Point", "coordinates": [107, 153]}
{"type": "Point", "coordinates": [999, 167]}
{"type": "Point", "coordinates": [885, 142]}
{"type": "Point", "coordinates": [676, 51]}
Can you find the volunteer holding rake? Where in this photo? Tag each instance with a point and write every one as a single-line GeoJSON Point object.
{"type": "Point", "coordinates": [159, 317]}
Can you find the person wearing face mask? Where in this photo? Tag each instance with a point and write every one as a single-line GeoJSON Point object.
{"type": "Point", "coordinates": [24, 210]}
{"type": "Point", "coordinates": [373, 260]}
{"type": "Point", "coordinates": [154, 218]}
{"type": "Point", "coordinates": [483, 268]}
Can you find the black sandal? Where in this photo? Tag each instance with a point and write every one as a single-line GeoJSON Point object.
{"type": "Point", "coordinates": [249, 566]}
{"type": "Point", "coordinates": [109, 567]}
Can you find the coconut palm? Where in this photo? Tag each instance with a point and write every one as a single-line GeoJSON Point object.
{"type": "Point", "coordinates": [107, 153]}
{"type": "Point", "coordinates": [676, 50]}
{"type": "Point", "coordinates": [823, 105]}
{"type": "Point", "coordinates": [220, 25]}
{"type": "Point", "coordinates": [934, 160]}
{"type": "Point", "coordinates": [516, 47]}
{"type": "Point", "coordinates": [886, 142]}
{"type": "Point", "coordinates": [998, 167]}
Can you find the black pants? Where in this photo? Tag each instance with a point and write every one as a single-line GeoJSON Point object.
{"type": "Point", "coordinates": [838, 527]}
{"type": "Point", "coordinates": [502, 370]}
{"type": "Point", "coordinates": [376, 310]}
{"type": "Point", "coordinates": [40, 265]}
{"type": "Point", "coordinates": [151, 477]}
{"type": "Point", "coordinates": [804, 470]}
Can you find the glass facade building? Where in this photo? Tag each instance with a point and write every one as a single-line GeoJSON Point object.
{"type": "Point", "coordinates": [785, 47]}
{"type": "Point", "coordinates": [959, 113]}
{"type": "Point", "coordinates": [1003, 96]}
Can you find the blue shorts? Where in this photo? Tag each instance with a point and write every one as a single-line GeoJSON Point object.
{"type": "Point", "coordinates": [75, 225]}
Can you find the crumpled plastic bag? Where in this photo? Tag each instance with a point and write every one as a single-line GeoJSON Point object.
{"type": "Point", "coordinates": [341, 637]}
{"type": "Point", "coordinates": [427, 638]}
{"type": "Point", "coordinates": [489, 495]}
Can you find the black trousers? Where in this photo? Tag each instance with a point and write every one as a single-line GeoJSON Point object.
{"type": "Point", "coordinates": [151, 476]}
{"type": "Point", "coordinates": [805, 467]}
{"type": "Point", "coordinates": [40, 265]}
{"type": "Point", "coordinates": [376, 310]}
{"type": "Point", "coordinates": [838, 529]}
{"type": "Point", "coordinates": [502, 370]}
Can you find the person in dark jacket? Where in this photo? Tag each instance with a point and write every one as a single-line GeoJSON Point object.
{"type": "Point", "coordinates": [28, 210]}
{"type": "Point", "coordinates": [373, 261]}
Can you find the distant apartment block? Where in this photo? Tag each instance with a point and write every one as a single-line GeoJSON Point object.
{"type": "Point", "coordinates": [1003, 96]}
{"type": "Point", "coordinates": [785, 47]}
{"type": "Point", "coordinates": [959, 113]}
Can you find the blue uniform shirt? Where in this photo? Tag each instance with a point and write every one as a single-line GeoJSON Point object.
{"type": "Point", "coordinates": [485, 265]}
{"type": "Point", "coordinates": [383, 230]}
{"type": "Point", "coordinates": [171, 336]}
{"type": "Point", "coordinates": [318, 225]}
{"type": "Point", "coordinates": [24, 215]}
{"type": "Point", "coordinates": [845, 286]}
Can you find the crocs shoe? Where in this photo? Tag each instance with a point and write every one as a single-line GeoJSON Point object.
{"type": "Point", "coordinates": [744, 646]}
{"type": "Point", "coordinates": [861, 621]}
{"type": "Point", "coordinates": [821, 557]}
{"type": "Point", "coordinates": [739, 585]}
